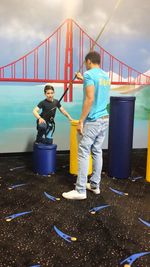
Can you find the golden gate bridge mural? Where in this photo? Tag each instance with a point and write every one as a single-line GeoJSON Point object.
{"type": "Point", "coordinates": [57, 59]}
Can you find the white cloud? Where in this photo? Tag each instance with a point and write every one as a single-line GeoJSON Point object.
{"type": "Point", "coordinates": [18, 31]}
{"type": "Point", "coordinates": [126, 30]}
{"type": "Point", "coordinates": [27, 23]}
{"type": "Point", "coordinates": [131, 17]}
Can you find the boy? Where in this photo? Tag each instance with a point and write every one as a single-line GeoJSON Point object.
{"type": "Point", "coordinates": [45, 120]}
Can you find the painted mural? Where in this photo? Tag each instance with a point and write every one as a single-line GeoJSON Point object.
{"type": "Point", "coordinates": [18, 125]}
{"type": "Point", "coordinates": [29, 23]}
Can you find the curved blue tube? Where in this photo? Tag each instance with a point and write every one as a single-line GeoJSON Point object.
{"type": "Point", "coordinates": [13, 216]}
{"type": "Point", "coordinates": [118, 192]}
{"type": "Point", "coordinates": [134, 257]}
{"type": "Point", "coordinates": [16, 168]}
{"type": "Point", "coordinates": [15, 186]}
{"type": "Point", "coordinates": [145, 222]}
{"type": "Point", "coordinates": [95, 209]}
{"type": "Point", "coordinates": [61, 234]}
{"type": "Point", "coordinates": [51, 197]}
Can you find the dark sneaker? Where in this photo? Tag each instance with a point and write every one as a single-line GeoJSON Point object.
{"type": "Point", "coordinates": [39, 140]}
{"type": "Point", "coordinates": [48, 141]}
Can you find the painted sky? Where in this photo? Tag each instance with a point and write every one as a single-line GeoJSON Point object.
{"type": "Point", "coordinates": [25, 24]}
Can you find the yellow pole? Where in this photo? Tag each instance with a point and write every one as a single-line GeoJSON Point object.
{"type": "Point", "coordinates": [74, 150]}
{"type": "Point", "coordinates": [148, 157]}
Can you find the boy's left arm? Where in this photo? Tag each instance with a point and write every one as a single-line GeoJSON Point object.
{"type": "Point", "coordinates": [63, 111]}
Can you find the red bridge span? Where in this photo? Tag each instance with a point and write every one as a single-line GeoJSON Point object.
{"type": "Point", "coordinates": [62, 54]}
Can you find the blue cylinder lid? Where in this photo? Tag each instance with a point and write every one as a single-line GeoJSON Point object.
{"type": "Point", "coordinates": [44, 146]}
{"type": "Point", "coordinates": [122, 98]}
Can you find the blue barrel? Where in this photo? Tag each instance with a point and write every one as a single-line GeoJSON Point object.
{"type": "Point", "coordinates": [44, 158]}
{"type": "Point", "coordinates": [120, 136]}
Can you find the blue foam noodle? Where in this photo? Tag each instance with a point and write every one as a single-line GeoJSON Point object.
{"type": "Point", "coordinates": [95, 209]}
{"type": "Point", "coordinates": [64, 236]}
{"type": "Point", "coordinates": [15, 186]}
{"type": "Point", "coordinates": [145, 222]}
{"type": "Point", "coordinates": [17, 168]}
{"type": "Point", "coordinates": [13, 216]}
{"type": "Point", "coordinates": [133, 258]}
{"type": "Point", "coordinates": [136, 178]}
{"type": "Point", "coordinates": [51, 197]}
{"type": "Point", "coordinates": [118, 192]}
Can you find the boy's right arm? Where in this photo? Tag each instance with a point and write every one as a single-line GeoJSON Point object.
{"type": "Point", "coordinates": [62, 110]}
{"type": "Point", "coordinates": [36, 115]}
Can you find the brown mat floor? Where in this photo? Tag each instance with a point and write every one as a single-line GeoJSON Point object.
{"type": "Point", "coordinates": [103, 239]}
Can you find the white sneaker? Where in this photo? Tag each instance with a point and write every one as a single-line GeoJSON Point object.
{"type": "Point", "coordinates": [95, 191]}
{"type": "Point", "coordinates": [74, 195]}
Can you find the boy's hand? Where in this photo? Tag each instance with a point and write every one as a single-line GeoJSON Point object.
{"type": "Point", "coordinates": [71, 119]}
{"type": "Point", "coordinates": [41, 120]}
{"type": "Point", "coordinates": [79, 76]}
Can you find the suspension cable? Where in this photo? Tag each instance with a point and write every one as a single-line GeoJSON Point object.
{"type": "Point", "coordinates": [95, 41]}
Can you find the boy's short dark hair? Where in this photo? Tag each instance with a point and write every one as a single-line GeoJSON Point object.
{"type": "Point", "coordinates": [48, 87]}
{"type": "Point", "coordinates": [94, 57]}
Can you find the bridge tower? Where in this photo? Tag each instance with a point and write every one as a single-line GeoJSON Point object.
{"type": "Point", "coordinates": [68, 64]}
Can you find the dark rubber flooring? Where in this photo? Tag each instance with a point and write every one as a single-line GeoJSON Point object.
{"type": "Point", "coordinates": [104, 239]}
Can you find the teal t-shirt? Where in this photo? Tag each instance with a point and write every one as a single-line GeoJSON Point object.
{"type": "Point", "coordinates": [101, 82]}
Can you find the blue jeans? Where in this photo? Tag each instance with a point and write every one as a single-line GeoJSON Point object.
{"type": "Point", "coordinates": [42, 130]}
{"type": "Point", "coordinates": [90, 142]}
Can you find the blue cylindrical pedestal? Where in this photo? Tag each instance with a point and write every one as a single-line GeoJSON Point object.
{"type": "Point", "coordinates": [44, 158]}
{"type": "Point", "coordinates": [120, 136]}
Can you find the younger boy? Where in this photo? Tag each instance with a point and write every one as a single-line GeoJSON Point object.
{"type": "Point", "coordinates": [45, 120]}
